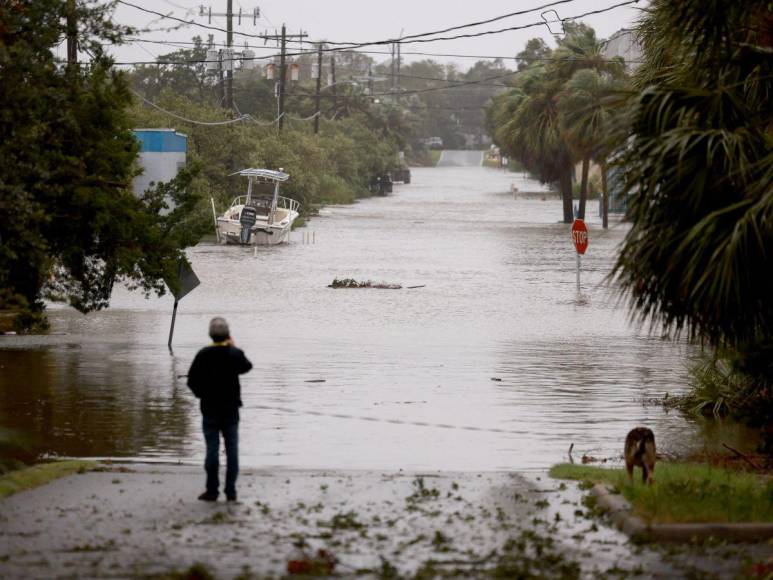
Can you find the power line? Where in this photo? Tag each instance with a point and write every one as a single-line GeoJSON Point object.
{"type": "Point", "coordinates": [188, 22]}
{"type": "Point", "coordinates": [414, 39]}
{"type": "Point", "coordinates": [429, 89]}
{"type": "Point", "coordinates": [501, 30]}
{"type": "Point", "coordinates": [408, 38]}
{"type": "Point", "coordinates": [192, 121]}
{"type": "Point", "coordinates": [305, 53]}
{"type": "Point", "coordinates": [240, 119]}
{"type": "Point", "coordinates": [183, 44]}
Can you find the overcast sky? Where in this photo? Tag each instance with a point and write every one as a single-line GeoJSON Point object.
{"type": "Point", "coordinates": [363, 21]}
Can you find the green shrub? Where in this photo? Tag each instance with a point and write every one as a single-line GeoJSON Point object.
{"type": "Point", "coordinates": [333, 189]}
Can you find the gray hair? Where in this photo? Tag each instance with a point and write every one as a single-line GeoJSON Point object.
{"type": "Point", "coordinates": [218, 328]}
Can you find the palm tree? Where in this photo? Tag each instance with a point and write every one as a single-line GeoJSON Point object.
{"type": "Point", "coordinates": [580, 49]}
{"type": "Point", "coordinates": [586, 108]}
{"type": "Point", "coordinates": [584, 67]}
{"type": "Point", "coordinates": [527, 121]}
{"type": "Point", "coordinates": [698, 166]}
{"type": "Point", "coordinates": [528, 129]}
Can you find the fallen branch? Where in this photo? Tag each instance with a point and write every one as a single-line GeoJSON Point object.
{"type": "Point", "coordinates": [742, 456]}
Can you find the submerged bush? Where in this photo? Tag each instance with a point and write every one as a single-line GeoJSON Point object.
{"type": "Point", "coordinates": [731, 384]}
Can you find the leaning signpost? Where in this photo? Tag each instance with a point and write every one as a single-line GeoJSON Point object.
{"type": "Point", "coordinates": [580, 239]}
{"type": "Point", "coordinates": [187, 281]}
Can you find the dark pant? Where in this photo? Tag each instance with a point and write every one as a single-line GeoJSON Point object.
{"type": "Point", "coordinates": [213, 427]}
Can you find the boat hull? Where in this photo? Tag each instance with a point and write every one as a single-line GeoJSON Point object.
{"type": "Point", "coordinates": [229, 232]}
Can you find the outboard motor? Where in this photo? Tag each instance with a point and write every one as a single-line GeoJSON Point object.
{"type": "Point", "coordinates": [247, 219]}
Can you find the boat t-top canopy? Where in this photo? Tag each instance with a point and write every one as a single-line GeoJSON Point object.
{"type": "Point", "coordinates": [267, 174]}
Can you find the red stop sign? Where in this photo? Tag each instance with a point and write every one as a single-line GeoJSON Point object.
{"type": "Point", "coordinates": [580, 236]}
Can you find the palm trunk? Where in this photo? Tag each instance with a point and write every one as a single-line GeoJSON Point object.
{"type": "Point", "coordinates": [605, 193]}
{"type": "Point", "coordinates": [584, 187]}
{"type": "Point", "coordinates": [566, 194]}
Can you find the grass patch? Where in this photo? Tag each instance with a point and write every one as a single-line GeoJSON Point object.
{"type": "Point", "coordinates": [685, 492]}
{"type": "Point", "coordinates": [40, 474]}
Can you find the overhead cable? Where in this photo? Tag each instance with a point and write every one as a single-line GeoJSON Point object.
{"type": "Point", "coordinates": [388, 41]}
{"type": "Point", "coordinates": [183, 45]}
{"type": "Point", "coordinates": [415, 39]}
{"type": "Point", "coordinates": [192, 121]}
{"type": "Point", "coordinates": [409, 37]}
{"type": "Point", "coordinates": [239, 119]}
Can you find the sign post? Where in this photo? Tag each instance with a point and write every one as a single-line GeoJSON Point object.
{"type": "Point", "coordinates": [187, 281]}
{"type": "Point", "coordinates": [580, 239]}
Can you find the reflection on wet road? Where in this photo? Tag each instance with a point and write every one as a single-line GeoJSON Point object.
{"type": "Point", "coordinates": [498, 302]}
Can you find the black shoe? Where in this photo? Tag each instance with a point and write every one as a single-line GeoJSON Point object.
{"type": "Point", "coordinates": [206, 496]}
{"type": "Point", "coordinates": [231, 497]}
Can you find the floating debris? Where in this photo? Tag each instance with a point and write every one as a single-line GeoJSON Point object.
{"type": "Point", "coordinates": [321, 564]}
{"type": "Point", "coordinates": [352, 283]}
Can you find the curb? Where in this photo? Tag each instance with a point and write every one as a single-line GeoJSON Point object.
{"type": "Point", "coordinates": [619, 510]}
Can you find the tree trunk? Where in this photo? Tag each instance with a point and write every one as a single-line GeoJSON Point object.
{"type": "Point", "coordinates": [584, 187]}
{"type": "Point", "coordinates": [566, 194]}
{"type": "Point", "coordinates": [605, 193]}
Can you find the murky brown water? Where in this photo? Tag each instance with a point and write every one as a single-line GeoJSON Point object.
{"type": "Point", "coordinates": [498, 301]}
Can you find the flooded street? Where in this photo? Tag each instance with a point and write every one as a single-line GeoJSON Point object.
{"type": "Point", "coordinates": [497, 301]}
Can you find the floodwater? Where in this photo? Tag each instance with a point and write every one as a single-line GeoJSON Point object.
{"type": "Point", "coordinates": [497, 301]}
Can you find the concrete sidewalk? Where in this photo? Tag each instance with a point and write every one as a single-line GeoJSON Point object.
{"type": "Point", "coordinates": [144, 520]}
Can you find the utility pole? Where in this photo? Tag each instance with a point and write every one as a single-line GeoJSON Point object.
{"type": "Point", "coordinates": [221, 80]}
{"type": "Point", "coordinates": [283, 38]}
{"type": "Point", "coordinates": [229, 73]}
{"type": "Point", "coordinates": [72, 34]}
{"type": "Point", "coordinates": [398, 66]}
{"type": "Point", "coordinates": [394, 78]}
{"type": "Point", "coordinates": [333, 84]}
{"type": "Point", "coordinates": [225, 72]}
{"type": "Point", "coordinates": [319, 88]}
{"type": "Point", "coordinates": [282, 76]}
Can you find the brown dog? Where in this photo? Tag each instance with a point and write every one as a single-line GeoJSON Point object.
{"type": "Point", "coordinates": [640, 452]}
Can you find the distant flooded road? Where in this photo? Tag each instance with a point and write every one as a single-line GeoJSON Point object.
{"type": "Point", "coordinates": [460, 159]}
{"type": "Point", "coordinates": [494, 338]}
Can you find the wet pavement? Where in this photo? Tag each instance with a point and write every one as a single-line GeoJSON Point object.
{"type": "Point", "coordinates": [140, 521]}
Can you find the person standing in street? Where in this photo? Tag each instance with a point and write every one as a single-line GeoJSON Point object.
{"type": "Point", "coordinates": [214, 379]}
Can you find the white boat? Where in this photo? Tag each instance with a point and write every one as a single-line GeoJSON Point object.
{"type": "Point", "coordinates": [260, 218]}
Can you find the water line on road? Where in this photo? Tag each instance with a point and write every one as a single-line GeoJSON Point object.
{"type": "Point", "coordinates": [390, 421]}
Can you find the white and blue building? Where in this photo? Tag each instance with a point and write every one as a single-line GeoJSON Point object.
{"type": "Point", "coordinates": [162, 154]}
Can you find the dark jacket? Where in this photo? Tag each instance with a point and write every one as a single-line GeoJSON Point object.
{"type": "Point", "coordinates": [214, 379]}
